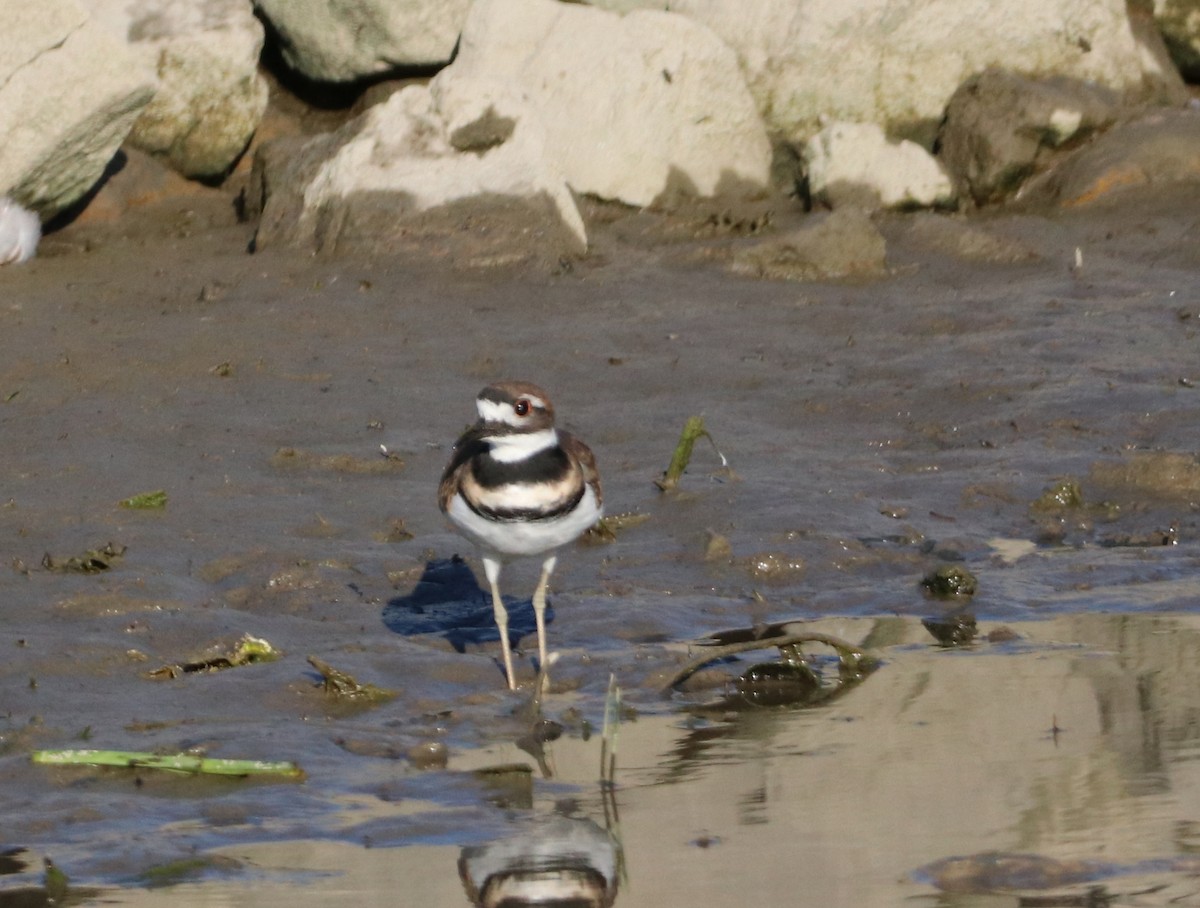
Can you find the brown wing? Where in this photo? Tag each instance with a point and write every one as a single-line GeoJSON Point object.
{"type": "Point", "coordinates": [587, 460]}
{"type": "Point", "coordinates": [469, 444]}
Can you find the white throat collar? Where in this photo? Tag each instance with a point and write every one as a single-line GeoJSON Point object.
{"type": "Point", "coordinates": [521, 445]}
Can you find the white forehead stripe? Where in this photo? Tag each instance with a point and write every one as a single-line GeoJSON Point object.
{"type": "Point", "coordinates": [490, 411]}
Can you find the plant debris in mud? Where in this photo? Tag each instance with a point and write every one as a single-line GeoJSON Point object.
{"type": "Point", "coordinates": [146, 501]}
{"type": "Point", "coordinates": [773, 567]}
{"type": "Point", "coordinates": [717, 547]}
{"type": "Point", "coordinates": [396, 532]}
{"type": "Point", "coordinates": [93, 561]}
{"type": "Point", "coordinates": [1169, 536]}
{"type": "Point", "coordinates": [693, 431]}
{"type": "Point", "coordinates": [300, 459]}
{"type": "Point", "coordinates": [1066, 496]}
{"type": "Point", "coordinates": [950, 582]}
{"type": "Point", "coordinates": [1164, 475]}
{"type": "Point", "coordinates": [55, 888]}
{"type": "Point", "coordinates": [56, 882]}
{"type": "Point", "coordinates": [607, 527]}
{"type": "Point", "coordinates": [1063, 494]}
{"type": "Point", "coordinates": [247, 651]}
{"type": "Point", "coordinates": [344, 686]}
{"type": "Point", "coordinates": [186, 869]}
{"type": "Point", "coordinates": [1062, 507]}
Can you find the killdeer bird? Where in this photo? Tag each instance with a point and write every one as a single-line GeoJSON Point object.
{"type": "Point", "coordinates": [20, 231]}
{"type": "Point", "coordinates": [518, 487]}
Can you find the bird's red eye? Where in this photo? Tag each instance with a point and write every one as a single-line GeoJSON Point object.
{"type": "Point", "coordinates": [521, 407]}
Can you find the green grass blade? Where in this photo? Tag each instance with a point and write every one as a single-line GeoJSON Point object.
{"type": "Point", "coordinates": [185, 763]}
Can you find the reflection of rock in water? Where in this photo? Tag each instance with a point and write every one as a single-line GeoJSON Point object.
{"type": "Point", "coordinates": [996, 871]}
{"type": "Point", "coordinates": [545, 861]}
{"type": "Point", "coordinates": [1145, 699]}
{"type": "Point", "coordinates": [999, 872]}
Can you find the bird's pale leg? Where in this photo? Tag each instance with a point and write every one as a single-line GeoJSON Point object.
{"type": "Point", "coordinates": [539, 609]}
{"type": "Point", "coordinates": [491, 568]}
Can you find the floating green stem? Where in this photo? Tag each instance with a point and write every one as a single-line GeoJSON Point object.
{"type": "Point", "coordinates": [180, 763]}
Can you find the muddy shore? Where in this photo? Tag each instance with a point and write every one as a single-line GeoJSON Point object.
{"type": "Point", "coordinates": [875, 430]}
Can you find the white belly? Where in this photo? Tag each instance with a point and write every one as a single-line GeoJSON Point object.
{"type": "Point", "coordinates": [517, 538]}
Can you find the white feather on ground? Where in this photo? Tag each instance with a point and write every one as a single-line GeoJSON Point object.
{"type": "Point", "coordinates": [20, 231]}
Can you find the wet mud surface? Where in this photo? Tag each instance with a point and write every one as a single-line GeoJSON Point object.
{"type": "Point", "coordinates": [1030, 417]}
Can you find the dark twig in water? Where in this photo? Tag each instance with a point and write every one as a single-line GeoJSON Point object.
{"type": "Point", "coordinates": [852, 658]}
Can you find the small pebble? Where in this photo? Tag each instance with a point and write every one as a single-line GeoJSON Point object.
{"type": "Point", "coordinates": [428, 755]}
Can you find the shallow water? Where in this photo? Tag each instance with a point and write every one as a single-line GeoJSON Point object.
{"type": "Point", "coordinates": [1076, 744]}
{"type": "Point", "coordinates": [874, 431]}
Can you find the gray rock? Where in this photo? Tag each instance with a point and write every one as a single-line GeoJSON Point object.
{"type": "Point", "coordinates": [1000, 125]}
{"type": "Point", "coordinates": [897, 62]}
{"type": "Point", "coordinates": [456, 169]}
{"type": "Point", "coordinates": [1155, 150]}
{"type": "Point", "coordinates": [211, 96]}
{"type": "Point", "coordinates": [841, 244]}
{"type": "Point", "coordinates": [343, 42]}
{"type": "Point", "coordinates": [954, 235]}
{"type": "Point", "coordinates": [69, 95]}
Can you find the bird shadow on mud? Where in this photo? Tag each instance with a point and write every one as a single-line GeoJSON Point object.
{"type": "Point", "coordinates": [449, 601]}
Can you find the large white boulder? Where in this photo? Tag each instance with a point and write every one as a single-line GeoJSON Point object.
{"type": "Point", "coordinates": [211, 96]}
{"type": "Point", "coordinates": [342, 42]}
{"type": "Point", "coordinates": [638, 108]}
{"type": "Point", "coordinates": [856, 164]}
{"type": "Point", "coordinates": [69, 94]}
{"type": "Point", "coordinates": [897, 62]}
{"type": "Point", "coordinates": [458, 164]}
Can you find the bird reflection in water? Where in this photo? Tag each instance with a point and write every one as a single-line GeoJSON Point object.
{"type": "Point", "coordinates": [545, 861]}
